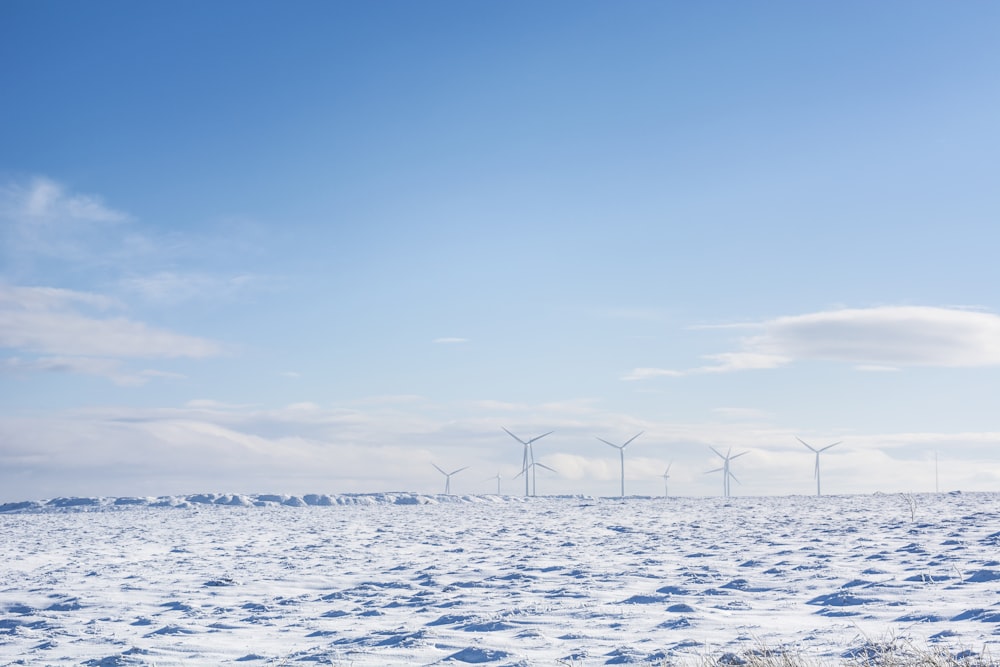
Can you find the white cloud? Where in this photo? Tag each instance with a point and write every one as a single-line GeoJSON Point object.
{"type": "Point", "coordinates": [44, 200]}
{"type": "Point", "coordinates": [41, 219]}
{"type": "Point", "coordinates": [42, 320]}
{"type": "Point", "coordinates": [48, 298]}
{"type": "Point", "coordinates": [882, 338]}
{"type": "Point", "coordinates": [648, 373]}
{"type": "Point", "coordinates": [887, 336]}
{"type": "Point", "coordinates": [51, 326]}
{"type": "Point", "coordinates": [46, 229]}
{"type": "Point", "coordinates": [743, 361]}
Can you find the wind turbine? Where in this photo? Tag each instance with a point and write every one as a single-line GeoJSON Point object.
{"type": "Point", "coordinates": [726, 472]}
{"type": "Point", "coordinates": [497, 478]}
{"type": "Point", "coordinates": [666, 477]}
{"type": "Point", "coordinates": [621, 452]}
{"type": "Point", "coordinates": [532, 466]}
{"type": "Point", "coordinates": [447, 477]}
{"type": "Point", "coordinates": [818, 452]}
{"type": "Point", "coordinates": [529, 458]}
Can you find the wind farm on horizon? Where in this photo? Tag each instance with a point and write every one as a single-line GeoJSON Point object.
{"type": "Point", "coordinates": [529, 466]}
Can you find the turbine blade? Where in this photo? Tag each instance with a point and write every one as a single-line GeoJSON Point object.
{"type": "Point", "coordinates": [738, 455]}
{"type": "Point", "coordinates": [631, 439]}
{"type": "Point", "coordinates": [439, 469]}
{"type": "Point", "coordinates": [458, 471]}
{"type": "Point", "coordinates": [540, 436]}
{"type": "Point", "coordinates": [542, 465]}
{"type": "Point", "coordinates": [805, 443]}
{"type": "Point", "coordinates": [829, 446]}
{"type": "Point", "coordinates": [514, 436]}
{"type": "Point", "coordinates": [717, 452]}
{"type": "Point", "coordinates": [734, 477]}
{"type": "Point", "coordinates": [611, 444]}
{"type": "Point", "coordinates": [714, 470]}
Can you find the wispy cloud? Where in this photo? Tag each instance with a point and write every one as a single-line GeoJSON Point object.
{"type": "Point", "coordinates": [111, 369]}
{"type": "Point", "coordinates": [57, 331]}
{"type": "Point", "coordinates": [42, 200]}
{"type": "Point", "coordinates": [42, 320]}
{"type": "Point", "coordinates": [649, 373]}
{"type": "Point", "coordinates": [46, 229]}
{"type": "Point", "coordinates": [40, 218]}
{"type": "Point", "coordinates": [882, 338]}
{"type": "Point", "coordinates": [174, 287]}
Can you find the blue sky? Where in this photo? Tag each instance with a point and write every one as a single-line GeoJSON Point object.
{"type": "Point", "coordinates": [260, 247]}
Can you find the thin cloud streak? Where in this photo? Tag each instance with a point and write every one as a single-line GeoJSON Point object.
{"type": "Point", "coordinates": [50, 331]}
{"type": "Point", "coordinates": [42, 320]}
{"type": "Point", "coordinates": [172, 287]}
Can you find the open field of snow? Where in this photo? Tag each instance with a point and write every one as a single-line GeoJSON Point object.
{"type": "Point", "coordinates": [401, 579]}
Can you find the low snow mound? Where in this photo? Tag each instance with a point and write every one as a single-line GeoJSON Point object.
{"type": "Point", "coordinates": [247, 500]}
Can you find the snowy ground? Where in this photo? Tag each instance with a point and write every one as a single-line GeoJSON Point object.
{"type": "Point", "coordinates": [400, 579]}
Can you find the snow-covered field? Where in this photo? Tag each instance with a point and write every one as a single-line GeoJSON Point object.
{"type": "Point", "coordinates": [401, 579]}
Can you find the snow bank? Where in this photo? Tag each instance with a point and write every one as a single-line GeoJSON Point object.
{"type": "Point", "coordinates": [249, 500]}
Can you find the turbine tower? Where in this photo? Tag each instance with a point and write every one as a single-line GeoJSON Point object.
{"type": "Point", "coordinates": [528, 461]}
{"type": "Point", "coordinates": [817, 452]}
{"type": "Point", "coordinates": [666, 477]}
{"type": "Point", "coordinates": [447, 477]}
{"type": "Point", "coordinates": [621, 452]}
{"type": "Point", "coordinates": [727, 474]}
{"type": "Point", "coordinates": [531, 467]}
{"type": "Point", "coordinates": [497, 478]}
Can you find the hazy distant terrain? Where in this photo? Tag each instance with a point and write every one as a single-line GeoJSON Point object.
{"type": "Point", "coordinates": [409, 579]}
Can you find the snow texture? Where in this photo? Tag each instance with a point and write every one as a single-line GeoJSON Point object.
{"type": "Point", "coordinates": [406, 579]}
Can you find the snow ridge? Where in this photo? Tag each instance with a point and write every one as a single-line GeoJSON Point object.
{"type": "Point", "coordinates": [251, 500]}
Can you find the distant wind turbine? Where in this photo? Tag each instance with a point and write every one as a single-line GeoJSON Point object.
{"type": "Point", "coordinates": [818, 452]}
{"type": "Point", "coordinates": [531, 467]}
{"type": "Point", "coordinates": [447, 477]}
{"type": "Point", "coordinates": [666, 477]}
{"type": "Point", "coordinates": [528, 461]}
{"type": "Point", "coordinates": [497, 478]}
{"type": "Point", "coordinates": [621, 452]}
{"type": "Point", "coordinates": [727, 474]}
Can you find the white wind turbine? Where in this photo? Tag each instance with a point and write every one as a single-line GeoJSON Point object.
{"type": "Point", "coordinates": [727, 474]}
{"type": "Point", "coordinates": [497, 478]}
{"type": "Point", "coordinates": [666, 478]}
{"type": "Point", "coordinates": [528, 461]}
{"type": "Point", "coordinates": [532, 466]}
{"type": "Point", "coordinates": [817, 452]}
{"type": "Point", "coordinates": [621, 452]}
{"type": "Point", "coordinates": [447, 477]}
